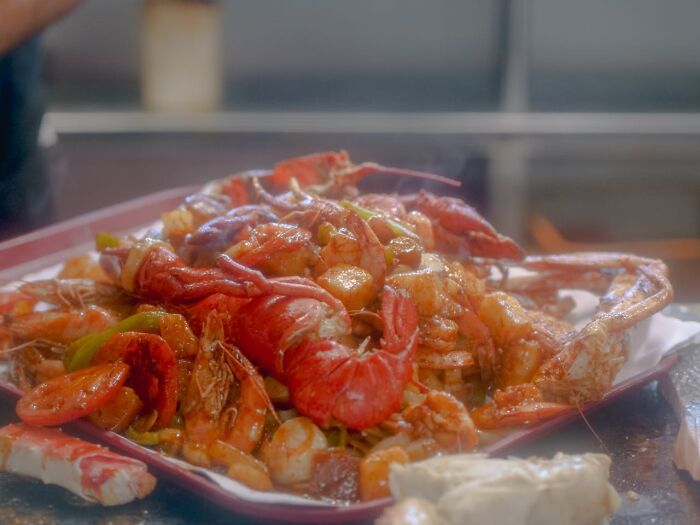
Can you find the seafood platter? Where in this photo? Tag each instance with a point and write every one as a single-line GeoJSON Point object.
{"type": "Point", "coordinates": [280, 339]}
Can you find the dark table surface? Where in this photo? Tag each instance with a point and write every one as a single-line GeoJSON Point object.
{"type": "Point", "coordinates": [637, 430]}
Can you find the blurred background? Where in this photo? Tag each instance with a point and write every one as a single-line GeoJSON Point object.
{"type": "Point", "coordinates": [574, 125]}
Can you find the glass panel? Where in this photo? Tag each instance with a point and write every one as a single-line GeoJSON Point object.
{"type": "Point", "coordinates": [301, 55]}
{"type": "Point", "coordinates": [387, 55]}
{"type": "Point", "coordinates": [626, 55]}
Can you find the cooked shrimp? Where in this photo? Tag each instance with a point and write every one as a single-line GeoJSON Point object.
{"type": "Point", "coordinates": [438, 423]}
{"type": "Point", "coordinates": [516, 405]}
{"type": "Point", "coordinates": [241, 466]}
{"type": "Point", "coordinates": [290, 451]}
{"type": "Point", "coordinates": [210, 413]}
{"type": "Point", "coordinates": [61, 326]}
{"type": "Point", "coordinates": [206, 394]}
{"type": "Point", "coordinates": [356, 244]}
{"type": "Point", "coordinates": [438, 333]}
{"type": "Point", "coordinates": [247, 422]}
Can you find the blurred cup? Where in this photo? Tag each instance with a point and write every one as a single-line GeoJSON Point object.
{"type": "Point", "coordinates": [181, 62]}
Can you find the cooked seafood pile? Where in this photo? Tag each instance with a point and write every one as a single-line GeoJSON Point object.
{"type": "Point", "coordinates": [297, 335]}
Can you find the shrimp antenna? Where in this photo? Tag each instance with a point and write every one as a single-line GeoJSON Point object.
{"type": "Point", "coordinates": [585, 419]}
{"type": "Point", "coordinates": [592, 430]}
{"type": "Point", "coordinates": [38, 342]}
{"type": "Point", "coordinates": [236, 359]}
{"type": "Point", "coordinates": [370, 167]}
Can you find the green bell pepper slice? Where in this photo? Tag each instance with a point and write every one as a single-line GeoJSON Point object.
{"type": "Point", "coordinates": [80, 353]}
{"type": "Point", "coordinates": [395, 226]}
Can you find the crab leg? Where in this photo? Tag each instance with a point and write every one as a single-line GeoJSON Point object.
{"type": "Point", "coordinates": [586, 366]}
{"type": "Point", "coordinates": [90, 471]}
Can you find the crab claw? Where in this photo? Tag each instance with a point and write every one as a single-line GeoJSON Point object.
{"type": "Point", "coordinates": [460, 228]}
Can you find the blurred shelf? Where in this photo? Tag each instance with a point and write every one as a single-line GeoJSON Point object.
{"type": "Point", "coordinates": [494, 124]}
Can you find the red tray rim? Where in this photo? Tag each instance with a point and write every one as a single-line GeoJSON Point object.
{"type": "Point", "coordinates": [65, 237]}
